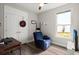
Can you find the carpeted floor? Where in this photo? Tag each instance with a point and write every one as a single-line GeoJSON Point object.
{"type": "Point", "coordinates": [30, 49]}
{"type": "Point", "coordinates": [52, 50]}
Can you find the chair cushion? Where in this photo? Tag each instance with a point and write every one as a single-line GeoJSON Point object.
{"type": "Point", "coordinates": [45, 37]}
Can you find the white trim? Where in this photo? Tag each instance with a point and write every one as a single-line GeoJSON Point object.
{"type": "Point", "coordinates": [59, 44]}
{"type": "Point", "coordinates": [57, 24]}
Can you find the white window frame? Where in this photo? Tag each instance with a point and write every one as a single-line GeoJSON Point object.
{"type": "Point", "coordinates": [57, 24]}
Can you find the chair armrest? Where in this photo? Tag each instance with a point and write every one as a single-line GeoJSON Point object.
{"type": "Point", "coordinates": [40, 41]}
{"type": "Point", "coordinates": [44, 43]}
{"type": "Point", "coordinates": [46, 37]}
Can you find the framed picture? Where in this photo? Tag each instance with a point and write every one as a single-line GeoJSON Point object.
{"type": "Point", "coordinates": [33, 22]}
{"type": "Point", "coordinates": [22, 23]}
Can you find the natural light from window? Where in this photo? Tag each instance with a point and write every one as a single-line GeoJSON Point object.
{"type": "Point", "coordinates": [63, 25]}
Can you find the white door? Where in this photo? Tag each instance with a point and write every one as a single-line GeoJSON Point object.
{"type": "Point", "coordinates": [12, 27]}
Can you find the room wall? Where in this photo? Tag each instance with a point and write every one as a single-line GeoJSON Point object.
{"type": "Point", "coordinates": [31, 27]}
{"type": "Point", "coordinates": [1, 21]}
{"type": "Point", "coordinates": [49, 17]}
{"type": "Point", "coordinates": [30, 15]}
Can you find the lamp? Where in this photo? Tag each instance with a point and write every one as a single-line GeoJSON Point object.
{"type": "Point", "coordinates": [34, 22]}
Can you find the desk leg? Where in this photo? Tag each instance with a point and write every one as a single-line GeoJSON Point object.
{"type": "Point", "coordinates": [20, 51]}
{"type": "Point", "coordinates": [11, 51]}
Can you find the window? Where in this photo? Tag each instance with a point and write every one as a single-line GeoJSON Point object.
{"type": "Point", "coordinates": [63, 25]}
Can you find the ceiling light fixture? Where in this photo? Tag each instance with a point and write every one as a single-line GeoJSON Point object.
{"type": "Point", "coordinates": [41, 5]}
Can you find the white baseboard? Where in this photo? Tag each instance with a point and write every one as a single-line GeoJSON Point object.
{"type": "Point", "coordinates": [59, 44]}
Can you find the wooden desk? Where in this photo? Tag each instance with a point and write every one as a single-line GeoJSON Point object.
{"type": "Point", "coordinates": [11, 46]}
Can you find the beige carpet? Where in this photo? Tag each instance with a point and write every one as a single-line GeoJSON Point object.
{"type": "Point", "coordinates": [52, 50]}
{"type": "Point", "coordinates": [30, 49]}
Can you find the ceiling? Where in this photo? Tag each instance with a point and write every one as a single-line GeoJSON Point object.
{"type": "Point", "coordinates": [34, 6]}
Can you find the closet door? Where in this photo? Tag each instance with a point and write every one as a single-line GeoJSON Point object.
{"type": "Point", "coordinates": [10, 25]}
{"type": "Point", "coordinates": [12, 28]}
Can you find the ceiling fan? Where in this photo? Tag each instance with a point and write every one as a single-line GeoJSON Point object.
{"type": "Point", "coordinates": [41, 5]}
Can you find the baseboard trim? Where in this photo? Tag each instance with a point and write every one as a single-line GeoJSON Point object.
{"type": "Point", "coordinates": [58, 45]}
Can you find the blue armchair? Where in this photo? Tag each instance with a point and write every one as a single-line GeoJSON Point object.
{"type": "Point", "coordinates": [41, 41]}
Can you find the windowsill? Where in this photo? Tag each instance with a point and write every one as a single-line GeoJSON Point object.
{"type": "Point", "coordinates": [63, 38]}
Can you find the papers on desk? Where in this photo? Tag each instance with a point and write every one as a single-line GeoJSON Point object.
{"type": "Point", "coordinates": [1, 42]}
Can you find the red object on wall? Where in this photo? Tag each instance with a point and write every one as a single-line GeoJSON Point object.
{"type": "Point", "coordinates": [22, 23]}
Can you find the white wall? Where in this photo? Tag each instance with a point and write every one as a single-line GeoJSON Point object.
{"type": "Point", "coordinates": [1, 20]}
{"type": "Point", "coordinates": [30, 15]}
{"type": "Point", "coordinates": [50, 18]}
{"type": "Point", "coordinates": [31, 28]}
